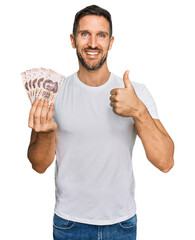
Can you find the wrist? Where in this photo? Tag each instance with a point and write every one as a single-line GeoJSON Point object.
{"type": "Point", "coordinates": [140, 111]}
{"type": "Point", "coordinates": [46, 135]}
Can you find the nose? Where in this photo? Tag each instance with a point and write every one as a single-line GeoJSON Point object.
{"type": "Point", "coordinates": [92, 42]}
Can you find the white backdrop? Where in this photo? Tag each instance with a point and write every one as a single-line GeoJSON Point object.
{"type": "Point", "coordinates": [155, 41]}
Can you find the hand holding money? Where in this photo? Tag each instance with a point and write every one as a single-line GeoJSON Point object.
{"type": "Point", "coordinates": [42, 83]}
{"type": "Point", "coordinates": [40, 117]}
{"type": "Point", "coordinates": [42, 86]}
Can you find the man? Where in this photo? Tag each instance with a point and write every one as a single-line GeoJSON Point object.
{"type": "Point", "coordinates": [97, 116]}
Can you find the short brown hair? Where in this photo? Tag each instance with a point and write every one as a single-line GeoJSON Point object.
{"type": "Point", "coordinates": [91, 10]}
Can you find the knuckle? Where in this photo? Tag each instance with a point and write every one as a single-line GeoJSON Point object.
{"type": "Point", "coordinates": [36, 116]}
{"type": "Point", "coordinates": [117, 91]}
{"type": "Point", "coordinates": [42, 116]}
{"type": "Point", "coordinates": [116, 110]}
{"type": "Point", "coordinates": [116, 99]}
{"type": "Point", "coordinates": [116, 105]}
{"type": "Point", "coordinates": [43, 129]}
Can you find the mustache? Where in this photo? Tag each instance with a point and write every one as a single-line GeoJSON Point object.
{"type": "Point", "coordinates": [90, 48]}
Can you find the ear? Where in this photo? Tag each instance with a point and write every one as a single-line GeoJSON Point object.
{"type": "Point", "coordinates": [72, 40]}
{"type": "Point", "coordinates": [111, 42]}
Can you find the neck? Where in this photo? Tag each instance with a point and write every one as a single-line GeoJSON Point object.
{"type": "Point", "coordinates": [94, 78]}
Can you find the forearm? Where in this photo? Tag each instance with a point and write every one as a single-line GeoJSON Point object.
{"type": "Point", "coordinates": [158, 145]}
{"type": "Point", "coordinates": [41, 153]}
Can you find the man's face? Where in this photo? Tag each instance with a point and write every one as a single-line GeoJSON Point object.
{"type": "Point", "coordinates": [92, 41]}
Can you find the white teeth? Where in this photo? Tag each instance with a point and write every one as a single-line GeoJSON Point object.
{"type": "Point", "coordinates": [92, 53]}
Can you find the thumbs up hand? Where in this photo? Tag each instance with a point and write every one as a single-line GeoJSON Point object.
{"type": "Point", "coordinates": [124, 101]}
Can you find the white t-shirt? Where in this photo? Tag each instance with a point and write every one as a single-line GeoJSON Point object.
{"type": "Point", "coordinates": [93, 175]}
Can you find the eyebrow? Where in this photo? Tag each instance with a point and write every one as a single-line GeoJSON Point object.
{"type": "Point", "coordinates": [106, 33]}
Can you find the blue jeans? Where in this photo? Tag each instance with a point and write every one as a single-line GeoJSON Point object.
{"type": "Point", "coordinates": [64, 229]}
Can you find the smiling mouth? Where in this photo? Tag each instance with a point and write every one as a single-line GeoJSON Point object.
{"type": "Point", "coordinates": [92, 53]}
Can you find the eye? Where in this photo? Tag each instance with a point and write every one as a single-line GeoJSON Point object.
{"type": "Point", "coordinates": [101, 35]}
{"type": "Point", "coordinates": [84, 34]}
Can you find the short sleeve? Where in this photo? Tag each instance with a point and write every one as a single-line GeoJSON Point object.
{"type": "Point", "coordinates": [148, 101]}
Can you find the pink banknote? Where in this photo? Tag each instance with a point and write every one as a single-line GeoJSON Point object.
{"type": "Point", "coordinates": [42, 83]}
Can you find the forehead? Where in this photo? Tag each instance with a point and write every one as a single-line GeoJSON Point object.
{"type": "Point", "coordinates": [93, 23]}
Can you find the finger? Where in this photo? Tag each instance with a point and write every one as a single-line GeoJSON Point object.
{"type": "Point", "coordinates": [43, 117]}
{"type": "Point", "coordinates": [126, 74]}
{"type": "Point", "coordinates": [114, 91]}
{"type": "Point", "coordinates": [126, 79]}
{"type": "Point", "coordinates": [31, 114]}
{"type": "Point", "coordinates": [50, 113]}
{"type": "Point", "coordinates": [113, 104]}
{"type": "Point", "coordinates": [37, 112]}
{"type": "Point", "coordinates": [112, 98]}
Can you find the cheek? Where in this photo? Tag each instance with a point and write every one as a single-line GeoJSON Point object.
{"type": "Point", "coordinates": [107, 46]}
{"type": "Point", "coordinates": [81, 43]}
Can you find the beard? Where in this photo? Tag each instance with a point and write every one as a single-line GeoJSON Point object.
{"type": "Point", "coordinates": [93, 67]}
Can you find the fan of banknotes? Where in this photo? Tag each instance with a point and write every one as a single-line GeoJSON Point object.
{"type": "Point", "coordinates": [42, 83]}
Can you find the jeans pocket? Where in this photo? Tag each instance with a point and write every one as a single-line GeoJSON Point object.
{"type": "Point", "coordinates": [129, 223]}
{"type": "Point", "coordinates": [61, 223]}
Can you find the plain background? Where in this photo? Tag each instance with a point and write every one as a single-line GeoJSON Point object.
{"type": "Point", "coordinates": [155, 41]}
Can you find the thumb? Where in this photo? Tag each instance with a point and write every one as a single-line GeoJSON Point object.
{"type": "Point", "coordinates": [126, 79]}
